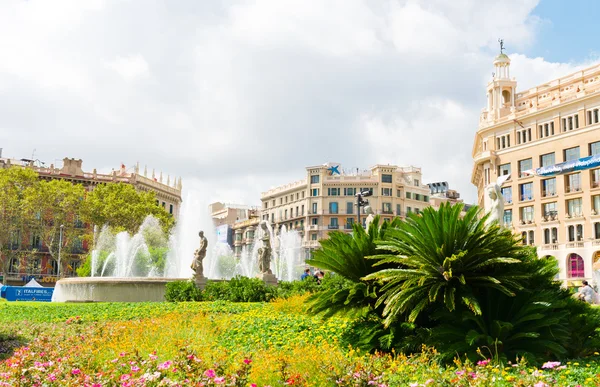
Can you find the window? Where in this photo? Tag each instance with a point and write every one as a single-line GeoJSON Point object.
{"type": "Point", "coordinates": [531, 237]}
{"type": "Point", "coordinates": [333, 208]}
{"type": "Point", "coordinates": [554, 233]}
{"type": "Point", "coordinates": [302, 214]}
{"type": "Point", "coordinates": [314, 208]}
{"type": "Point", "coordinates": [349, 208]}
{"type": "Point", "coordinates": [314, 179]}
{"type": "Point", "coordinates": [398, 193]}
{"type": "Point", "coordinates": [523, 136]}
{"type": "Point", "coordinates": [507, 217]}
{"type": "Point", "coordinates": [408, 210]}
{"type": "Point", "coordinates": [272, 217]}
{"type": "Point", "coordinates": [547, 236]}
{"type": "Point", "coordinates": [595, 116]}
{"type": "Point", "coordinates": [171, 209]}
{"type": "Point", "coordinates": [595, 148]}
{"type": "Point", "coordinates": [285, 217]}
{"type": "Point", "coordinates": [416, 181]}
{"type": "Point", "coordinates": [547, 160]}
{"type": "Point", "coordinates": [507, 194]}
{"type": "Point", "coordinates": [504, 169]}
{"type": "Point", "coordinates": [571, 153]}
{"type": "Point", "coordinates": [386, 208]}
{"type": "Point", "coordinates": [349, 223]}
{"type": "Point", "coordinates": [575, 266]}
{"type": "Point", "coordinates": [333, 223]}
{"type": "Point", "coordinates": [524, 165]}
{"type": "Point", "coordinates": [313, 237]}
{"type": "Point", "coordinates": [503, 141]}
{"type": "Point", "coordinates": [386, 192]}
{"type": "Point", "coordinates": [386, 178]}
{"type": "Point", "coordinates": [408, 195]}
{"type": "Point", "coordinates": [524, 237]}
{"type": "Point", "coordinates": [36, 241]}
{"type": "Point", "coordinates": [13, 267]}
{"type": "Point", "coordinates": [550, 210]}
{"type": "Point", "coordinates": [574, 207]}
{"type": "Point", "coordinates": [549, 187]}
{"type": "Point", "coordinates": [597, 230]}
{"type": "Point", "coordinates": [349, 191]}
{"type": "Point", "coordinates": [426, 198]}
{"type": "Point", "coordinates": [573, 182]}
{"type": "Point", "coordinates": [527, 214]}
{"type": "Point", "coordinates": [595, 178]}
{"type": "Point", "coordinates": [333, 191]}
{"type": "Point", "coordinates": [526, 191]}
{"type": "Point", "coordinates": [596, 203]}
{"type": "Point", "coordinates": [314, 221]}
{"type": "Point", "coordinates": [575, 233]}
{"type": "Point", "coordinates": [398, 209]}
{"type": "Point", "coordinates": [314, 192]}
{"type": "Point", "coordinates": [417, 196]}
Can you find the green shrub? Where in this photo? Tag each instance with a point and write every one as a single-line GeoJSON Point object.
{"type": "Point", "coordinates": [286, 289]}
{"type": "Point", "coordinates": [180, 291]}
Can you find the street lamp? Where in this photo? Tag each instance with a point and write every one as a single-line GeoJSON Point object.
{"type": "Point", "coordinates": [62, 226]}
{"type": "Point", "coordinates": [360, 202]}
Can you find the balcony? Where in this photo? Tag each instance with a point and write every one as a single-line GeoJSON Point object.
{"type": "Point", "coordinates": [347, 227]}
{"type": "Point", "coordinates": [525, 198]}
{"type": "Point", "coordinates": [333, 226]}
{"type": "Point", "coordinates": [311, 244]}
{"type": "Point", "coordinates": [551, 246]}
{"type": "Point", "coordinates": [313, 227]}
{"type": "Point", "coordinates": [548, 194]}
{"type": "Point", "coordinates": [550, 216]}
{"type": "Point", "coordinates": [572, 245]}
{"type": "Point", "coordinates": [569, 189]}
{"type": "Point", "coordinates": [388, 212]}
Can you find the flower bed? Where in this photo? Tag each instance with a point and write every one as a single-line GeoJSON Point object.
{"type": "Point", "coordinates": [224, 344]}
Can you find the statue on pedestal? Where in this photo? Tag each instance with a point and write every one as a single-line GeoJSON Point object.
{"type": "Point", "coordinates": [370, 217]}
{"type": "Point", "coordinates": [199, 255]}
{"type": "Point", "coordinates": [493, 201]}
{"type": "Point", "coordinates": [264, 256]}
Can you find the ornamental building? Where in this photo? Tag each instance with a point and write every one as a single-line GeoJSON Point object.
{"type": "Point", "coordinates": [324, 200]}
{"type": "Point", "coordinates": [547, 139]}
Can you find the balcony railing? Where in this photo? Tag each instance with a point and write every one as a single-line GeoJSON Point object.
{"type": "Point", "coordinates": [526, 197]}
{"type": "Point", "coordinates": [389, 212]}
{"type": "Point", "coordinates": [347, 227]}
{"type": "Point", "coordinates": [574, 244]}
{"type": "Point", "coordinates": [548, 194]}
{"type": "Point", "coordinates": [333, 226]}
{"type": "Point", "coordinates": [569, 189]}
{"type": "Point", "coordinates": [551, 246]}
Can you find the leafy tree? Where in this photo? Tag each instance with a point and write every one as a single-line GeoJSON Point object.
{"type": "Point", "coordinates": [52, 209]}
{"type": "Point", "coordinates": [123, 208]}
{"type": "Point", "coordinates": [13, 182]}
{"type": "Point", "coordinates": [443, 257]}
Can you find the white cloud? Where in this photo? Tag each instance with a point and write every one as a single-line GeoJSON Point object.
{"type": "Point", "coordinates": [240, 96]}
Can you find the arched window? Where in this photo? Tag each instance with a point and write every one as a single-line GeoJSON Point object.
{"type": "Point", "coordinates": [547, 239]}
{"type": "Point", "coordinates": [524, 236]}
{"type": "Point", "coordinates": [506, 96]}
{"type": "Point", "coordinates": [575, 266]}
{"type": "Point", "coordinates": [531, 237]}
{"type": "Point", "coordinates": [597, 230]}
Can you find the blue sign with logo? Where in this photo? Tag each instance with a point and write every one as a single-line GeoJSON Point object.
{"type": "Point", "coordinates": [570, 166]}
{"type": "Point", "coordinates": [22, 293]}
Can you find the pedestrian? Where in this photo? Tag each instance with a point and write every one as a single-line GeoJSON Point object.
{"type": "Point", "coordinates": [305, 275]}
{"type": "Point", "coordinates": [587, 293]}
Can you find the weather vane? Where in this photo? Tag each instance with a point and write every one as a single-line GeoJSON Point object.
{"type": "Point", "coordinates": [501, 41]}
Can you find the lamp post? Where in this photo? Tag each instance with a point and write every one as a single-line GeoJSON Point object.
{"type": "Point", "coordinates": [62, 226]}
{"type": "Point", "coordinates": [360, 202]}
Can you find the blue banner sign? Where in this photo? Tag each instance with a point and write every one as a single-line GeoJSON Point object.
{"type": "Point", "coordinates": [570, 166]}
{"type": "Point", "coordinates": [22, 293]}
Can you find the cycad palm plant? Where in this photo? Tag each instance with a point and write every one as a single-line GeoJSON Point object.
{"type": "Point", "coordinates": [344, 255]}
{"type": "Point", "coordinates": [444, 257]}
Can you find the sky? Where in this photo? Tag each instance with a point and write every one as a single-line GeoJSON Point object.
{"type": "Point", "coordinates": [240, 96]}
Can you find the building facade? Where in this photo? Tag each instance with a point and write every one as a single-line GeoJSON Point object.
{"type": "Point", "coordinates": [325, 199]}
{"type": "Point", "coordinates": [235, 224]}
{"type": "Point", "coordinates": [520, 131]}
{"type": "Point", "coordinates": [35, 260]}
{"type": "Point", "coordinates": [441, 193]}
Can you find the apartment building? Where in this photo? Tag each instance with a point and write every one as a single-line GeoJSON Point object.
{"type": "Point", "coordinates": [529, 135]}
{"type": "Point", "coordinates": [325, 199]}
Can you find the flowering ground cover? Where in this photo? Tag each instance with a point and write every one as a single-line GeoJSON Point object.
{"type": "Point", "coordinates": [227, 344]}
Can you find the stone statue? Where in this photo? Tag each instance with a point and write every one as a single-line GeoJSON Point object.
{"type": "Point", "coordinates": [494, 202]}
{"type": "Point", "coordinates": [199, 255]}
{"type": "Point", "coordinates": [370, 217]}
{"type": "Point", "coordinates": [264, 256]}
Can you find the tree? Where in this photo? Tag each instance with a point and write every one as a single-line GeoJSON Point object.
{"type": "Point", "coordinates": [52, 209]}
{"type": "Point", "coordinates": [443, 257]}
{"type": "Point", "coordinates": [13, 182]}
{"type": "Point", "coordinates": [122, 208]}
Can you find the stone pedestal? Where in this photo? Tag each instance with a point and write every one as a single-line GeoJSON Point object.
{"type": "Point", "coordinates": [268, 278]}
{"type": "Point", "coordinates": [200, 281]}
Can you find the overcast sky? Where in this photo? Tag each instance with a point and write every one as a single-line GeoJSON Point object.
{"type": "Point", "coordinates": [240, 96]}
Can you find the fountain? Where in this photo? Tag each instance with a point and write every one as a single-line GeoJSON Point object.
{"type": "Point", "coordinates": [129, 268]}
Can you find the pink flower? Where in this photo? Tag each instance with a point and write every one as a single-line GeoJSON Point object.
{"type": "Point", "coordinates": [551, 364]}
{"type": "Point", "coordinates": [135, 368]}
{"type": "Point", "coordinates": [540, 384]}
{"type": "Point", "coordinates": [165, 366]}
{"type": "Point", "coordinates": [253, 385]}
{"type": "Point", "coordinates": [75, 371]}
{"type": "Point", "coordinates": [219, 380]}
{"type": "Point", "coordinates": [483, 362]}
{"type": "Point", "coordinates": [51, 377]}
{"type": "Point", "coordinates": [460, 373]}
{"type": "Point", "coordinates": [210, 373]}
{"type": "Point", "coordinates": [247, 361]}
{"type": "Point", "coordinates": [125, 377]}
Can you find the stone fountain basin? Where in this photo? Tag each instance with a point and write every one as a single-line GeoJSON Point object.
{"type": "Point", "coordinates": [111, 289]}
